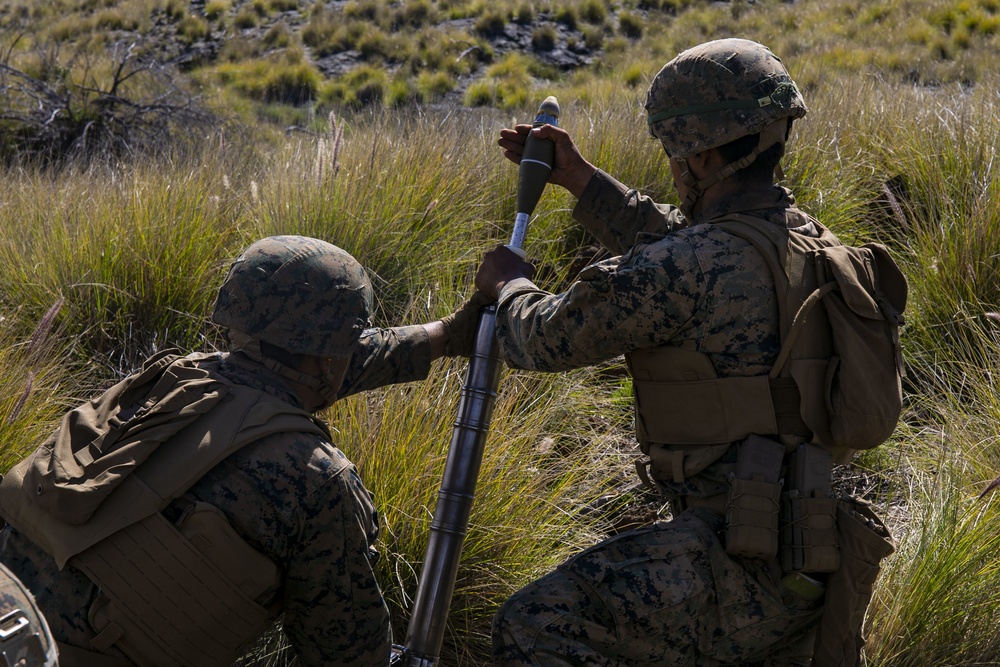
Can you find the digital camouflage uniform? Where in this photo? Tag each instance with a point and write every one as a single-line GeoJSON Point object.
{"type": "Point", "coordinates": [25, 639]}
{"type": "Point", "coordinates": [294, 497]}
{"type": "Point", "coordinates": [668, 593]}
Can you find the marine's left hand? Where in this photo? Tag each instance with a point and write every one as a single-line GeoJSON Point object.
{"type": "Point", "coordinates": [500, 266]}
{"type": "Point", "coordinates": [461, 326]}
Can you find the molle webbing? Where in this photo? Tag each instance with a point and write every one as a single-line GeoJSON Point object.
{"type": "Point", "coordinates": [671, 384]}
{"type": "Point", "coordinates": [150, 576]}
{"type": "Point", "coordinates": [74, 656]}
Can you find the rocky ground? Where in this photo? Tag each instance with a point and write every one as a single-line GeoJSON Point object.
{"type": "Point", "coordinates": [566, 52]}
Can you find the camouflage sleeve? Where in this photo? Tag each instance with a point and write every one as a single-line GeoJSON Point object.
{"type": "Point", "coordinates": [635, 301]}
{"type": "Point", "coordinates": [388, 356]}
{"type": "Point", "coordinates": [615, 214]}
{"type": "Point", "coordinates": [334, 610]}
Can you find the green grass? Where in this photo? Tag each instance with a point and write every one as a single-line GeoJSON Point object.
{"type": "Point", "coordinates": [901, 99]}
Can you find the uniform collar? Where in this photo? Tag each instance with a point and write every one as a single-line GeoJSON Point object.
{"type": "Point", "coordinates": [769, 200]}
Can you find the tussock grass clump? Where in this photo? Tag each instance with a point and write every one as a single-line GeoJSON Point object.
{"type": "Point", "coordinates": [399, 439]}
{"type": "Point", "coordinates": [135, 255]}
{"type": "Point", "coordinates": [35, 381]}
{"type": "Point", "coordinates": [898, 147]}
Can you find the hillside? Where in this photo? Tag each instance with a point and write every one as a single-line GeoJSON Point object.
{"type": "Point", "coordinates": [74, 69]}
{"type": "Point", "coordinates": [145, 143]}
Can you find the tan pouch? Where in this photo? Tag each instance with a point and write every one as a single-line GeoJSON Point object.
{"type": "Point", "coordinates": [864, 542]}
{"type": "Point", "coordinates": [809, 512]}
{"type": "Point", "coordinates": [809, 533]}
{"type": "Point", "coordinates": [752, 508]}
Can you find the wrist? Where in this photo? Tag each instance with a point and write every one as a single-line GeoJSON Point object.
{"type": "Point", "coordinates": [579, 179]}
{"type": "Point", "coordinates": [437, 337]}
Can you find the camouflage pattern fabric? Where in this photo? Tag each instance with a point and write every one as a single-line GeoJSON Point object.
{"type": "Point", "coordinates": [295, 498]}
{"type": "Point", "coordinates": [717, 92]}
{"type": "Point", "coordinates": [634, 213]}
{"type": "Point", "coordinates": [301, 294]}
{"type": "Point", "coordinates": [25, 639]}
{"type": "Point", "coordinates": [675, 597]}
{"type": "Point", "coordinates": [665, 594]}
{"type": "Point", "coordinates": [697, 286]}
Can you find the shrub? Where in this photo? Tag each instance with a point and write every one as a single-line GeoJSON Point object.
{"type": "Point", "coordinates": [567, 16]}
{"type": "Point", "coordinates": [322, 25]}
{"type": "Point", "coordinates": [630, 24]}
{"type": "Point", "coordinates": [525, 13]}
{"type": "Point", "coordinates": [593, 37]}
{"type": "Point", "coordinates": [364, 85]}
{"type": "Point", "coordinates": [401, 92]}
{"type": "Point", "coordinates": [113, 19]}
{"type": "Point", "coordinates": [175, 10]}
{"type": "Point", "coordinates": [373, 44]}
{"type": "Point", "coordinates": [215, 9]}
{"type": "Point", "coordinates": [191, 28]}
{"type": "Point", "coordinates": [434, 84]}
{"type": "Point", "coordinates": [506, 84]}
{"type": "Point", "coordinates": [292, 84]}
{"type": "Point", "coordinates": [543, 38]}
{"type": "Point", "coordinates": [278, 36]}
{"type": "Point", "coordinates": [240, 49]}
{"type": "Point", "coordinates": [481, 93]}
{"type": "Point", "coordinates": [492, 23]}
{"type": "Point", "coordinates": [594, 11]}
{"type": "Point", "coordinates": [372, 11]}
{"type": "Point", "coordinates": [246, 18]}
{"type": "Point", "coordinates": [634, 75]}
{"type": "Point", "coordinates": [111, 104]}
{"type": "Point", "coordinates": [415, 14]}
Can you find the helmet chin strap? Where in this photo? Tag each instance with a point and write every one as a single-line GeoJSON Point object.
{"type": "Point", "coordinates": [769, 136]}
{"type": "Point", "coordinates": [250, 346]}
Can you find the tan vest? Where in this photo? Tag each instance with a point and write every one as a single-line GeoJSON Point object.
{"type": "Point", "coordinates": [93, 493]}
{"type": "Point", "coordinates": [687, 417]}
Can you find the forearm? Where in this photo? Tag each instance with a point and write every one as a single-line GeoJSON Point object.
{"type": "Point", "coordinates": [615, 214]}
{"type": "Point", "coordinates": [539, 331]}
{"type": "Point", "coordinates": [437, 337]}
{"type": "Point", "coordinates": [391, 356]}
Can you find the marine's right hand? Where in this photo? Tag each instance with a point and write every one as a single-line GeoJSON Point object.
{"type": "Point", "coordinates": [571, 170]}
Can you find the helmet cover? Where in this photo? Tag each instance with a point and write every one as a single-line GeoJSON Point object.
{"type": "Point", "coordinates": [717, 92]}
{"type": "Point", "coordinates": [26, 636]}
{"type": "Point", "coordinates": [300, 294]}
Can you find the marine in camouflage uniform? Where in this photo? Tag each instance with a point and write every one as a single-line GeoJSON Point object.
{"type": "Point", "coordinates": [294, 497]}
{"type": "Point", "coordinates": [668, 593]}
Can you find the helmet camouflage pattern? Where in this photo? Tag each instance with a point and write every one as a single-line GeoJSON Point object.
{"type": "Point", "coordinates": [300, 294]}
{"type": "Point", "coordinates": [25, 638]}
{"type": "Point", "coordinates": [718, 92]}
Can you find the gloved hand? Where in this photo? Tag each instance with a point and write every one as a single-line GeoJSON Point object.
{"type": "Point", "coordinates": [461, 326]}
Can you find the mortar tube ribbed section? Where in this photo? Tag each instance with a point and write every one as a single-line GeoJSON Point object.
{"type": "Point", "coordinates": [425, 633]}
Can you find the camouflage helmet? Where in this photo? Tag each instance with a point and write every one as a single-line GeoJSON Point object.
{"type": "Point", "coordinates": [718, 92]}
{"type": "Point", "coordinates": [300, 294]}
{"type": "Point", "coordinates": [24, 635]}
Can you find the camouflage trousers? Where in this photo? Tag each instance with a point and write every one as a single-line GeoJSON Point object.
{"type": "Point", "coordinates": [665, 594]}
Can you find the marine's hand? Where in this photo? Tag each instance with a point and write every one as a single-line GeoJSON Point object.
{"type": "Point", "coordinates": [500, 266]}
{"type": "Point", "coordinates": [461, 326]}
{"type": "Point", "coordinates": [571, 170]}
